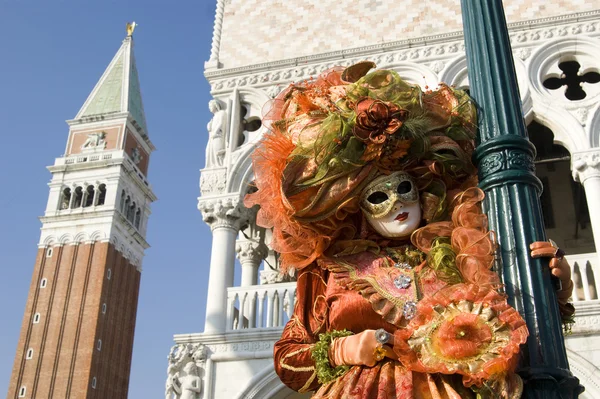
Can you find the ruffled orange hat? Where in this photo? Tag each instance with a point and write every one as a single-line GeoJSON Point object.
{"type": "Point", "coordinates": [332, 135]}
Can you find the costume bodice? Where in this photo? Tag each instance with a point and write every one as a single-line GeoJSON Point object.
{"type": "Point", "coordinates": [370, 290]}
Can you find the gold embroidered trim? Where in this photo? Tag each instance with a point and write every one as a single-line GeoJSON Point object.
{"type": "Point", "coordinates": [320, 318]}
{"type": "Point", "coordinates": [294, 353]}
{"type": "Point", "coordinates": [306, 386]}
{"type": "Point", "coordinates": [299, 332]}
{"type": "Point", "coordinates": [398, 301]}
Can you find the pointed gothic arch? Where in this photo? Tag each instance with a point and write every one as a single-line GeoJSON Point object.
{"type": "Point", "coordinates": [568, 132]}
{"type": "Point", "coordinates": [564, 203]}
{"type": "Point", "coordinates": [588, 374]}
{"type": "Point", "coordinates": [455, 74]}
{"type": "Point", "coordinates": [594, 127]}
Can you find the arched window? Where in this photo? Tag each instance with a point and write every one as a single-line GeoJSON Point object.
{"type": "Point", "coordinates": [78, 197]}
{"type": "Point", "coordinates": [248, 124]}
{"type": "Point", "coordinates": [101, 194]}
{"type": "Point", "coordinates": [122, 204]}
{"type": "Point", "coordinates": [65, 198]}
{"type": "Point", "coordinates": [138, 217]}
{"type": "Point", "coordinates": [564, 205]}
{"type": "Point", "coordinates": [126, 207]}
{"type": "Point", "coordinates": [89, 196]}
{"type": "Point", "coordinates": [22, 392]}
{"type": "Point", "coordinates": [29, 354]}
{"type": "Point", "coordinates": [252, 124]}
{"type": "Point", "coordinates": [131, 213]}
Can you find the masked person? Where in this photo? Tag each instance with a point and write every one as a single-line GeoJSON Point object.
{"type": "Point", "coordinates": [368, 185]}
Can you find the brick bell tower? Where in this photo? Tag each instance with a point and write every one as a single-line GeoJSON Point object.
{"type": "Point", "coordinates": [77, 335]}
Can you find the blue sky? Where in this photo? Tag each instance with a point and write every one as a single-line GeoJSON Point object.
{"type": "Point", "coordinates": [53, 53]}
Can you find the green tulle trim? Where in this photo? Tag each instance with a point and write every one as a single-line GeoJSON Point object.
{"type": "Point", "coordinates": [320, 354]}
{"type": "Point", "coordinates": [442, 259]}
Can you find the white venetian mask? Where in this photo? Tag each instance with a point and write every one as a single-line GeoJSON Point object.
{"type": "Point", "coordinates": [391, 205]}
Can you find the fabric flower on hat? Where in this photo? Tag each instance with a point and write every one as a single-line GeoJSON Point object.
{"type": "Point", "coordinates": [376, 119]}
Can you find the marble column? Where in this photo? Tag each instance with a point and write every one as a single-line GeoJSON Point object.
{"type": "Point", "coordinates": [72, 199]}
{"type": "Point", "coordinates": [225, 216]}
{"type": "Point", "coordinates": [251, 250]}
{"type": "Point", "coordinates": [96, 194]}
{"type": "Point", "coordinates": [585, 166]}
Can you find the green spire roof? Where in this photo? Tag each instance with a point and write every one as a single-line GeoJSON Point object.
{"type": "Point", "coordinates": [118, 90]}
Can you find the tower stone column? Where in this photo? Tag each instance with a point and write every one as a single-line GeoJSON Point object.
{"type": "Point", "coordinates": [585, 166]}
{"type": "Point", "coordinates": [225, 216]}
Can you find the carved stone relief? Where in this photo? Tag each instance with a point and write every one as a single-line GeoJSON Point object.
{"type": "Point", "coordinates": [94, 142]}
{"type": "Point", "coordinates": [185, 371]}
{"type": "Point", "coordinates": [246, 346]}
{"type": "Point", "coordinates": [136, 156]}
{"type": "Point", "coordinates": [213, 181]}
{"type": "Point", "coordinates": [217, 135]}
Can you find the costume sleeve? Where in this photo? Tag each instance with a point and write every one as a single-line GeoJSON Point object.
{"type": "Point", "coordinates": [292, 353]}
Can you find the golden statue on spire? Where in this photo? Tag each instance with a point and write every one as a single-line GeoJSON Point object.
{"type": "Point", "coordinates": [130, 27]}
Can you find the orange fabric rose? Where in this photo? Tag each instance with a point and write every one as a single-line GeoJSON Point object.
{"type": "Point", "coordinates": [375, 119]}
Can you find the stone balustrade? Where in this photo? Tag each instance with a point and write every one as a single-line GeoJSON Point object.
{"type": "Point", "coordinates": [107, 156]}
{"type": "Point", "coordinates": [270, 305]}
{"type": "Point", "coordinates": [585, 271]}
{"type": "Point", "coordinates": [260, 306]}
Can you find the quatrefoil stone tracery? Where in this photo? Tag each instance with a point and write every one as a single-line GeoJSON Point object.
{"type": "Point", "coordinates": [573, 79]}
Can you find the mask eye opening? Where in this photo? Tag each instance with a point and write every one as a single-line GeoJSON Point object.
{"type": "Point", "coordinates": [404, 187]}
{"type": "Point", "coordinates": [378, 197]}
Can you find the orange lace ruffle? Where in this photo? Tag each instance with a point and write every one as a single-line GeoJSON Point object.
{"type": "Point", "coordinates": [472, 242]}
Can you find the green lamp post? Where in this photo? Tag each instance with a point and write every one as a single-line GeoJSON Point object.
{"type": "Point", "coordinates": [505, 157]}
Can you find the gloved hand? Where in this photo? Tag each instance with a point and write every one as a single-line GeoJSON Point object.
{"type": "Point", "coordinates": [558, 266]}
{"type": "Point", "coordinates": [358, 349]}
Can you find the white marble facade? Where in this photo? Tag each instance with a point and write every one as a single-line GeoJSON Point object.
{"type": "Point", "coordinates": [248, 67]}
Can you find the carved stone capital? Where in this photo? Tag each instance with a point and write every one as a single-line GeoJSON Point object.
{"type": "Point", "coordinates": [228, 212]}
{"type": "Point", "coordinates": [585, 164]}
{"type": "Point", "coordinates": [251, 251]}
